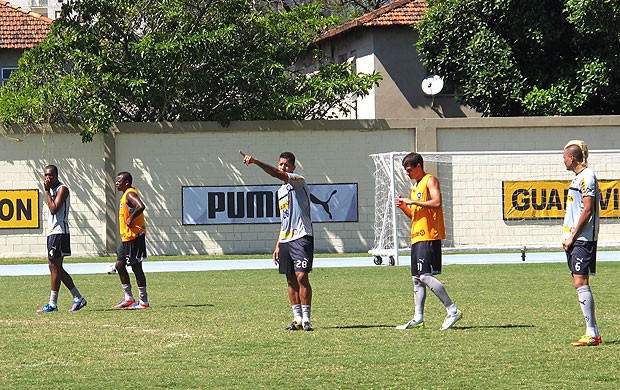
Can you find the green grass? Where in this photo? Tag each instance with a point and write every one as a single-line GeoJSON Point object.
{"type": "Point", "coordinates": [223, 329]}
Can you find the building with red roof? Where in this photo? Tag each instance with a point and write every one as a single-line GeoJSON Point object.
{"type": "Point", "coordinates": [384, 41]}
{"type": "Point", "coordinates": [20, 30]}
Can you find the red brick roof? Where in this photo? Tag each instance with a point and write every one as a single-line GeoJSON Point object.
{"type": "Point", "coordinates": [396, 13]}
{"type": "Point", "coordinates": [21, 28]}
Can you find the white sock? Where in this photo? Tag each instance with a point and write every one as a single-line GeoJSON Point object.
{"type": "Point", "coordinates": [76, 294]}
{"type": "Point", "coordinates": [143, 296]}
{"type": "Point", "coordinates": [128, 293]}
{"type": "Point", "coordinates": [53, 298]}
{"type": "Point", "coordinates": [452, 309]}
{"type": "Point", "coordinates": [586, 300]}
{"type": "Point", "coordinates": [419, 298]}
{"type": "Point", "coordinates": [592, 331]}
{"type": "Point", "coordinates": [305, 309]}
{"type": "Point", "coordinates": [297, 313]}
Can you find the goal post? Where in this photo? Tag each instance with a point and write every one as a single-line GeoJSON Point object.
{"type": "Point", "coordinates": [493, 201]}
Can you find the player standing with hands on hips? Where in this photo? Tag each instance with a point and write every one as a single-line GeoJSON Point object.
{"type": "Point", "coordinates": [58, 240]}
{"type": "Point", "coordinates": [580, 230]}
{"type": "Point", "coordinates": [427, 230]}
{"type": "Point", "coordinates": [294, 249]}
{"type": "Point", "coordinates": [133, 243]}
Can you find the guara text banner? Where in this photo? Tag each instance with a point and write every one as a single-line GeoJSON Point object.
{"type": "Point", "coordinates": [547, 199]}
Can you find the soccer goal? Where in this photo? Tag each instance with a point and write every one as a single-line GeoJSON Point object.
{"type": "Point", "coordinates": [493, 201]}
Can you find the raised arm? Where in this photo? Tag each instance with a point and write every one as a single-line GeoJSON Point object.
{"type": "Point", "coordinates": [269, 169]}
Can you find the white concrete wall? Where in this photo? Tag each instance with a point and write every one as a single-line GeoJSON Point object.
{"type": "Point", "coordinates": [163, 157]}
{"type": "Point", "coordinates": [23, 158]}
{"type": "Point", "coordinates": [162, 164]}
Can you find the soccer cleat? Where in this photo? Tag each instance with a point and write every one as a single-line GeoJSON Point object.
{"type": "Point", "coordinates": [139, 305]}
{"type": "Point", "coordinates": [77, 305]}
{"type": "Point", "coordinates": [47, 309]}
{"type": "Point", "coordinates": [451, 320]}
{"type": "Point", "coordinates": [294, 326]}
{"type": "Point", "coordinates": [587, 341]}
{"type": "Point", "coordinates": [308, 327]}
{"type": "Point", "coordinates": [124, 304]}
{"type": "Point", "coordinates": [411, 324]}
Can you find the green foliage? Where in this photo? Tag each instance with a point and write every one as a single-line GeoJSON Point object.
{"type": "Point", "coordinates": [509, 58]}
{"type": "Point", "coordinates": [109, 61]}
{"type": "Point", "coordinates": [223, 330]}
{"type": "Point", "coordinates": [343, 10]}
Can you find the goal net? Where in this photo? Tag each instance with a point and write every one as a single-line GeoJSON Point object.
{"type": "Point", "coordinates": [493, 201]}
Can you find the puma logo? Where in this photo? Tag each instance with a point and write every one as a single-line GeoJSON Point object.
{"type": "Point", "coordinates": [324, 204]}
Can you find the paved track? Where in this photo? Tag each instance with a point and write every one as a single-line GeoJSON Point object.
{"type": "Point", "coordinates": [323, 262]}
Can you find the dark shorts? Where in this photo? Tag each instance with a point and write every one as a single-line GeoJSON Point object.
{"type": "Point", "coordinates": [134, 251]}
{"type": "Point", "coordinates": [581, 258]}
{"type": "Point", "coordinates": [296, 256]}
{"type": "Point", "coordinates": [426, 258]}
{"type": "Point", "coordinates": [58, 245]}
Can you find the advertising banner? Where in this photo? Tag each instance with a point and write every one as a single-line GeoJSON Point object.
{"type": "Point", "coordinates": [547, 199]}
{"type": "Point", "coordinates": [19, 209]}
{"type": "Point", "coordinates": [215, 205]}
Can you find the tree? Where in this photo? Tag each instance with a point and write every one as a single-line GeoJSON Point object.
{"type": "Point", "coordinates": [510, 57]}
{"type": "Point", "coordinates": [109, 61]}
{"type": "Point", "coordinates": [343, 10]}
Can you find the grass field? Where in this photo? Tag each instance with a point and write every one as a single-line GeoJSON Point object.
{"type": "Point", "coordinates": [210, 330]}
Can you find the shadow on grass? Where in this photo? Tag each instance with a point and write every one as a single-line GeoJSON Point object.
{"type": "Point", "coordinates": [508, 326]}
{"type": "Point", "coordinates": [189, 305]}
{"type": "Point", "coordinates": [359, 326]}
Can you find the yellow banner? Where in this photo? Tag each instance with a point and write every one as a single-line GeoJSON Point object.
{"type": "Point", "coordinates": [19, 209]}
{"type": "Point", "coordinates": [547, 199]}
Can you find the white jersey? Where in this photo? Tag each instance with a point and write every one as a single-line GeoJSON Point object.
{"type": "Point", "coordinates": [583, 185]}
{"type": "Point", "coordinates": [294, 204]}
{"type": "Point", "coordinates": [58, 223]}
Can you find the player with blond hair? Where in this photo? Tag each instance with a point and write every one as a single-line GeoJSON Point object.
{"type": "Point", "coordinates": [580, 231]}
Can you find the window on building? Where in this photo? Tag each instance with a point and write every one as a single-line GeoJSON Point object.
{"type": "Point", "coordinates": [5, 73]}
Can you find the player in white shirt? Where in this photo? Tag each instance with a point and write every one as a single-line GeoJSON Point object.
{"type": "Point", "coordinates": [57, 199]}
{"type": "Point", "coordinates": [294, 249]}
{"type": "Point", "coordinates": [580, 231]}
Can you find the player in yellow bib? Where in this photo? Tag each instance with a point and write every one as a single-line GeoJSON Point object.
{"type": "Point", "coordinates": [425, 209]}
{"type": "Point", "coordinates": [132, 250]}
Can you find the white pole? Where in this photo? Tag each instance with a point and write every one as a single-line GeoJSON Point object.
{"type": "Point", "coordinates": [393, 207]}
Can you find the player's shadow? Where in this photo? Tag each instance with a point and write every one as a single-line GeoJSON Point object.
{"type": "Point", "coordinates": [359, 326]}
{"type": "Point", "coordinates": [507, 326]}
{"type": "Point", "coordinates": [189, 305]}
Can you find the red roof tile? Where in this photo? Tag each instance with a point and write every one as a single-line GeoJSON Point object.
{"type": "Point", "coordinates": [396, 13]}
{"type": "Point", "coordinates": [21, 28]}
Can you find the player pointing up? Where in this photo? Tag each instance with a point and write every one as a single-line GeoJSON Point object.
{"type": "Point", "coordinates": [294, 249]}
